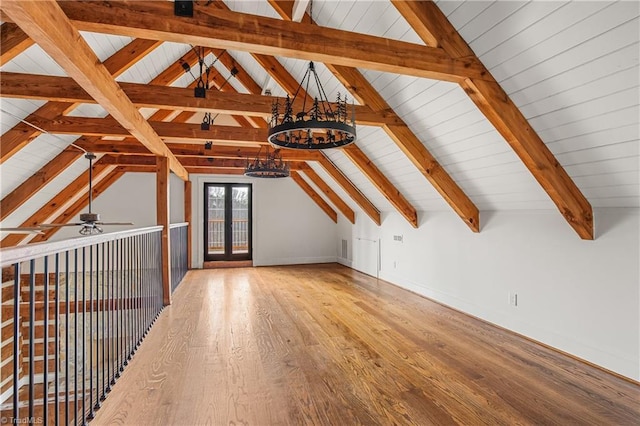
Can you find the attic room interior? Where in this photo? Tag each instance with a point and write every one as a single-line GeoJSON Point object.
{"type": "Point", "coordinates": [320, 212]}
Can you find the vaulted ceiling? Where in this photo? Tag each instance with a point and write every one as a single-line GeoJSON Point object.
{"type": "Point", "coordinates": [466, 106]}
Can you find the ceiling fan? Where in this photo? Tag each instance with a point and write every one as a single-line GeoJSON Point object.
{"type": "Point", "coordinates": [90, 222]}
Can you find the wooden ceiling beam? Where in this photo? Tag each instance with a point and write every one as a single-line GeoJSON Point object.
{"type": "Point", "coordinates": [77, 207]}
{"type": "Point", "coordinates": [328, 192]}
{"type": "Point", "coordinates": [22, 134]}
{"type": "Point", "coordinates": [64, 89]}
{"type": "Point", "coordinates": [13, 41]}
{"type": "Point", "coordinates": [75, 189]}
{"type": "Point", "coordinates": [131, 146]}
{"type": "Point", "coordinates": [70, 125]}
{"type": "Point", "coordinates": [117, 63]}
{"type": "Point", "coordinates": [16, 198]}
{"type": "Point", "coordinates": [314, 196]}
{"type": "Point", "coordinates": [382, 183]}
{"type": "Point", "coordinates": [48, 26]}
{"type": "Point", "coordinates": [215, 171]}
{"type": "Point", "coordinates": [236, 31]}
{"type": "Point", "coordinates": [429, 22]}
{"type": "Point", "coordinates": [351, 189]}
{"type": "Point", "coordinates": [405, 139]}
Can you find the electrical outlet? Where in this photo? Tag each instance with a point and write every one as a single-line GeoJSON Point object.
{"type": "Point", "coordinates": [397, 238]}
{"type": "Point", "coordinates": [395, 265]}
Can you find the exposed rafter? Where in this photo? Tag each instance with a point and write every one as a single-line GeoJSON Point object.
{"type": "Point", "coordinates": [48, 26]}
{"type": "Point", "coordinates": [314, 196]}
{"type": "Point", "coordinates": [407, 141]}
{"type": "Point", "coordinates": [382, 183]}
{"type": "Point", "coordinates": [74, 191]}
{"type": "Point", "coordinates": [351, 189]}
{"type": "Point", "coordinates": [13, 200]}
{"type": "Point", "coordinates": [237, 31]}
{"type": "Point", "coordinates": [13, 41]}
{"type": "Point", "coordinates": [64, 89]}
{"type": "Point", "coordinates": [21, 134]}
{"type": "Point", "coordinates": [328, 192]}
{"type": "Point", "coordinates": [433, 26]}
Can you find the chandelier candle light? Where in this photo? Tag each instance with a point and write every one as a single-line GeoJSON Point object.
{"type": "Point", "coordinates": [321, 126]}
{"type": "Point", "coordinates": [270, 165]}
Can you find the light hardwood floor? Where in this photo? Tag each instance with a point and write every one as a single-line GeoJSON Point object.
{"type": "Point", "coordinates": [326, 345]}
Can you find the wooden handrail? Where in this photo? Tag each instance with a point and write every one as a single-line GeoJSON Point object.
{"type": "Point", "coordinates": [178, 225]}
{"type": "Point", "coordinates": [11, 255]}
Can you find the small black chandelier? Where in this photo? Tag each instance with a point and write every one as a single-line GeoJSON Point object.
{"type": "Point", "coordinates": [321, 126]}
{"type": "Point", "coordinates": [270, 165]}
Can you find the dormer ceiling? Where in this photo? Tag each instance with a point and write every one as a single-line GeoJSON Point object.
{"type": "Point", "coordinates": [464, 106]}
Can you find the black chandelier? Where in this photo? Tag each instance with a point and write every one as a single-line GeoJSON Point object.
{"type": "Point", "coordinates": [321, 126]}
{"type": "Point", "coordinates": [270, 165]}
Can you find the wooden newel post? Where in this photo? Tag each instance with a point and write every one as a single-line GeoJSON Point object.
{"type": "Point", "coordinates": [162, 211]}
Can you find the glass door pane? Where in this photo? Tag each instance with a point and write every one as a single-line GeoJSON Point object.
{"type": "Point", "coordinates": [227, 221]}
{"type": "Point", "coordinates": [215, 216]}
{"type": "Point", "coordinates": [240, 220]}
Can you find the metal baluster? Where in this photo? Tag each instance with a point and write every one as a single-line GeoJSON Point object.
{"type": "Point", "coordinates": [75, 331]}
{"type": "Point", "coordinates": [109, 317]}
{"type": "Point", "coordinates": [45, 371]}
{"type": "Point", "coordinates": [127, 348]}
{"type": "Point", "coordinates": [32, 318]}
{"type": "Point", "coordinates": [84, 333]}
{"type": "Point", "coordinates": [101, 306]}
{"type": "Point", "coordinates": [66, 340]}
{"type": "Point", "coordinates": [57, 341]}
{"type": "Point", "coordinates": [16, 341]}
{"type": "Point", "coordinates": [91, 286]}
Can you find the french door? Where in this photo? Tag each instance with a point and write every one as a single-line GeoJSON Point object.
{"type": "Point", "coordinates": [227, 221]}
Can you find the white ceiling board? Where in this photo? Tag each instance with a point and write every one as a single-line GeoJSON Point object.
{"type": "Point", "coordinates": [154, 63]}
{"type": "Point", "coordinates": [252, 7]}
{"type": "Point", "coordinates": [15, 109]}
{"type": "Point", "coordinates": [105, 45]}
{"type": "Point", "coordinates": [30, 159]}
{"type": "Point", "coordinates": [361, 182]}
{"type": "Point", "coordinates": [49, 191]}
{"type": "Point", "coordinates": [331, 85]}
{"type": "Point", "coordinates": [34, 60]}
{"type": "Point", "coordinates": [88, 110]}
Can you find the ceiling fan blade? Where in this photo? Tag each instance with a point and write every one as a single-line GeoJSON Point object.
{"type": "Point", "coordinates": [21, 230]}
{"type": "Point", "coordinates": [60, 225]}
{"type": "Point", "coordinates": [114, 223]}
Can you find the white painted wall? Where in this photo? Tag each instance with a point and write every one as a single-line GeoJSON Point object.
{"type": "Point", "coordinates": [288, 227]}
{"type": "Point", "coordinates": [582, 297]}
{"type": "Point", "coordinates": [132, 198]}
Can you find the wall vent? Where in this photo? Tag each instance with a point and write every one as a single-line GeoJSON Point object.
{"type": "Point", "coordinates": [344, 249]}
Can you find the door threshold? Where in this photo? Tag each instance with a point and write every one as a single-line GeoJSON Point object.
{"type": "Point", "coordinates": [215, 264]}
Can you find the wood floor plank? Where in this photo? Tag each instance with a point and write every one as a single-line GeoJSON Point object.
{"type": "Point", "coordinates": [326, 345]}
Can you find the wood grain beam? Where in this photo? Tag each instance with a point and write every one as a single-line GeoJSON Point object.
{"type": "Point", "coordinates": [16, 198]}
{"type": "Point", "coordinates": [64, 89]}
{"type": "Point", "coordinates": [22, 134]}
{"type": "Point", "coordinates": [314, 196]}
{"type": "Point", "coordinates": [351, 189]}
{"type": "Point", "coordinates": [78, 187]}
{"type": "Point", "coordinates": [215, 171]}
{"type": "Point", "coordinates": [131, 146]}
{"type": "Point", "coordinates": [48, 26]}
{"type": "Point", "coordinates": [79, 205]}
{"type": "Point", "coordinates": [13, 41]}
{"type": "Point", "coordinates": [329, 193]}
{"type": "Point", "coordinates": [434, 27]}
{"type": "Point", "coordinates": [405, 139]}
{"type": "Point", "coordinates": [382, 183]}
{"type": "Point", "coordinates": [70, 125]}
{"type": "Point", "coordinates": [235, 31]}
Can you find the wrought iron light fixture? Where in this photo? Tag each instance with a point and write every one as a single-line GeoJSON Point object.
{"type": "Point", "coordinates": [270, 165]}
{"type": "Point", "coordinates": [317, 126]}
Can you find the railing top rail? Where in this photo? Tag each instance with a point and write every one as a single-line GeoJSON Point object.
{"type": "Point", "coordinates": [178, 225]}
{"type": "Point", "coordinates": [11, 255]}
